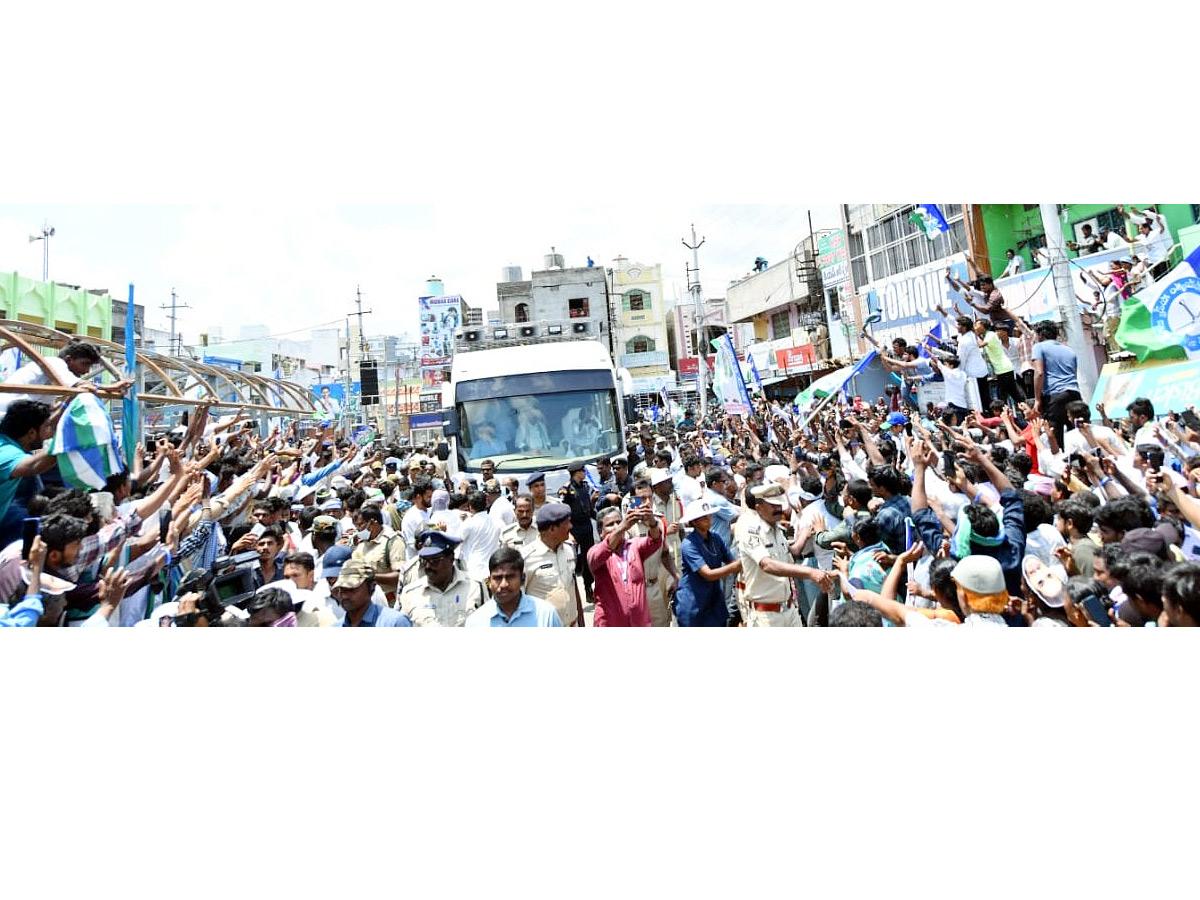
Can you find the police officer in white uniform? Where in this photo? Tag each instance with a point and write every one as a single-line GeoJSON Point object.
{"type": "Point", "coordinates": [767, 564]}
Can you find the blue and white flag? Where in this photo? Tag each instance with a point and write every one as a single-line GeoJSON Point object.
{"type": "Point", "coordinates": [758, 385]}
{"type": "Point", "coordinates": [929, 220]}
{"type": "Point", "coordinates": [727, 376]}
{"type": "Point", "coordinates": [874, 313]}
{"type": "Point", "coordinates": [936, 333]}
{"type": "Point", "coordinates": [85, 444]}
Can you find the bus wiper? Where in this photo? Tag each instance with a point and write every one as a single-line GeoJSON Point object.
{"type": "Point", "coordinates": [518, 459]}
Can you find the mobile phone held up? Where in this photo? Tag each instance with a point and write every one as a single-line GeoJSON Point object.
{"type": "Point", "coordinates": [1094, 607]}
{"type": "Point", "coordinates": [635, 502]}
{"type": "Point", "coordinates": [30, 529]}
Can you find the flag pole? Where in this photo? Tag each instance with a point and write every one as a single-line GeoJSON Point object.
{"type": "Point", "coordinates": [130, 407]}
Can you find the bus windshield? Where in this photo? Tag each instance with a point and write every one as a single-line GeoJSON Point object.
{"type": "Point", "coordinates": [539, 431]}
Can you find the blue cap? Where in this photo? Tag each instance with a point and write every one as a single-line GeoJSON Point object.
{"type": "Point", "coordinates": [897, 419]}
{"type": "Point", "coordinates": [333, 560]}
{"type": "Point", "coordinates": [551, 514]}
{"type": "Point", "coordinates": [535, 477]}
{"type": "Point", "coordinates": [435, 543]}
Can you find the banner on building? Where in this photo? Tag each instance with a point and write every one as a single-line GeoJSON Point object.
{"type": "Point", "coordinates": [440, 318]}
{"type": "Point", "coordinates": [796, 357]}
{"type": "Point", "coordinates": [908, 302]}
{"type": "Point", "coordinates": [833, 258]}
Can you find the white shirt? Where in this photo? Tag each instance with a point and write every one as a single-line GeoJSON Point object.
{"type": "Point", "coordinates": [1114, 241]}
{"type": "Point", "coordinates": [1014, 266]}
{"type": "Point", "coordinates": [1075, 442]}
{"type": "Point", "coordinates": [969, 354]}
{"type": "Point", "coordinates": [32, 373]}
{"type": "Point", "coordinates": [818, 516]}
{"type": "Point", "coordinates": [480, 539]}
{"type": "Point", "coordinates": [1158, 242]}
{"type": "Point", "coordinates": [956, 387]}
{"type": "Point", "coordinates": [411, 525]}
{"type": "Point", "coordinates": [503, 512]}
{"type": "Point", "coordinates": [688, 489]}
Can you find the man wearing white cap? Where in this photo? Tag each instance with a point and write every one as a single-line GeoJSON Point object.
{"type": "Point", "coordinates": [767, 564]}
{"type": "Point", "coordinates": [707, 559]}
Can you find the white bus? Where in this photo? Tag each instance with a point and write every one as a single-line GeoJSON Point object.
{"type": "Point", "coordinates": [532, 404]}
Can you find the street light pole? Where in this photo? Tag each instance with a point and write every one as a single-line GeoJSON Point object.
{"type": "Point", "coordinates": [44, 237]}
{"type": "Point", "coordinates": [701, 350]}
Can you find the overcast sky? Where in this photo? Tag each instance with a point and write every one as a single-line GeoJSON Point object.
{"type": "Point", "coordinates": [294, 267]}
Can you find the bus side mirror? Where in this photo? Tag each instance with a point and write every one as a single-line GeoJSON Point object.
{"type": "Point", "coordinates": [450, 428]}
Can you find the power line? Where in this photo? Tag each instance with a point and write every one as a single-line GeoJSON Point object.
{"type": "Point", "coordinates": [275, 335]}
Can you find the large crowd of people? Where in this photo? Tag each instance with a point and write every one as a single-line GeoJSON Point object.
{"type": "Point", "coordinates": [998, 506]}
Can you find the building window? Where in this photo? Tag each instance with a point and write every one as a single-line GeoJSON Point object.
{"type": "Point", "coordinates": [781, 325]}
{"type": "Point", "coordinates": [522, 312]}
{"type": "Point", "coordinates": [636, 301]}
{"type": "Point", "coordinates": [639, 344]}
{"type": "Point", "coordinates": [578, 307]}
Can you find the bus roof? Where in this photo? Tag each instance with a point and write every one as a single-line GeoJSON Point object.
{"type": "Point", "coordinates": [562, 356]}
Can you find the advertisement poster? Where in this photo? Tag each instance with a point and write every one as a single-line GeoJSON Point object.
{"type": "Point", "coordinates": [833, 257]}
{"type": "Point", "coordinates": [440, 317]}
{"type": "Point", "coordinates": [433, 377]}
{"type": "Point", "coordinates": [329, 399]}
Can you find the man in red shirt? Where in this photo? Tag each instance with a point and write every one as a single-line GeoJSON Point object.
{"type": "Point", "coordinates": [619, 567]}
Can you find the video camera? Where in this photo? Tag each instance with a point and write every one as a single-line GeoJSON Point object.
{"type": "Point", "coordinates": [825, 462]}
{"type": "Point", "coordinates": [232, 581]}
{"type": "Point", "coordinates": [235, 578]}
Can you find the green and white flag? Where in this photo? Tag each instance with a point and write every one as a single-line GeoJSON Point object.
{"type": "Point", "coordinates": [929, 220]}
{"type": "Point", "coordinates": [1162, 321]}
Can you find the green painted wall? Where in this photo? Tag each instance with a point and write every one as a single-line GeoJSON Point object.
{"type": "Point", "coordinates": [55, 306]}
{"type": "Point", "coordinates": [1012, 225]}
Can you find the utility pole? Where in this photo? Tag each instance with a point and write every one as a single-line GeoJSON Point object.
{"type": "Point", "coordinates": [346, 385]}
{"type": "Point", "coordinates": [362, 335]}
{"type": "Point", "coordinates": [694, 287]}
{"type": "Point", "coordinates": [1064, 289]}
{"type": "Point", "coordinates": [175, 304]}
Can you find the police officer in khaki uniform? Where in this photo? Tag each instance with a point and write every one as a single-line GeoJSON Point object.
{"type": "Point", "coordinates": [385, 552]}
{"type": "Point", "coordinates": [444, 595]}
{"type": "Point", "coordinates": [522, 532]}
{"type": "Point", "coordinates": [767, 564]}
{"type": "Point", "coordinates": [550, 564]}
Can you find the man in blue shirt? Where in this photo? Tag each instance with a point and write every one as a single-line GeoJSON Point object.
{"type": "Point", "coordinates": [24, 428]}
{"type": "Point", "coordinates": [885, 482]}
{"type": "Point", "coordinates": [1055, 377]}
{"type": "Point", "coordinates": [353, 591]}
{"type": "Point", "coordinates": [700, 599]}
{"type": "Point", "coordinates": [510, 607]}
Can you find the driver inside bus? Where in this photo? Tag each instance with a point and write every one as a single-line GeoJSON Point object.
{"type": "Point", "coordinates": [496, 413]}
